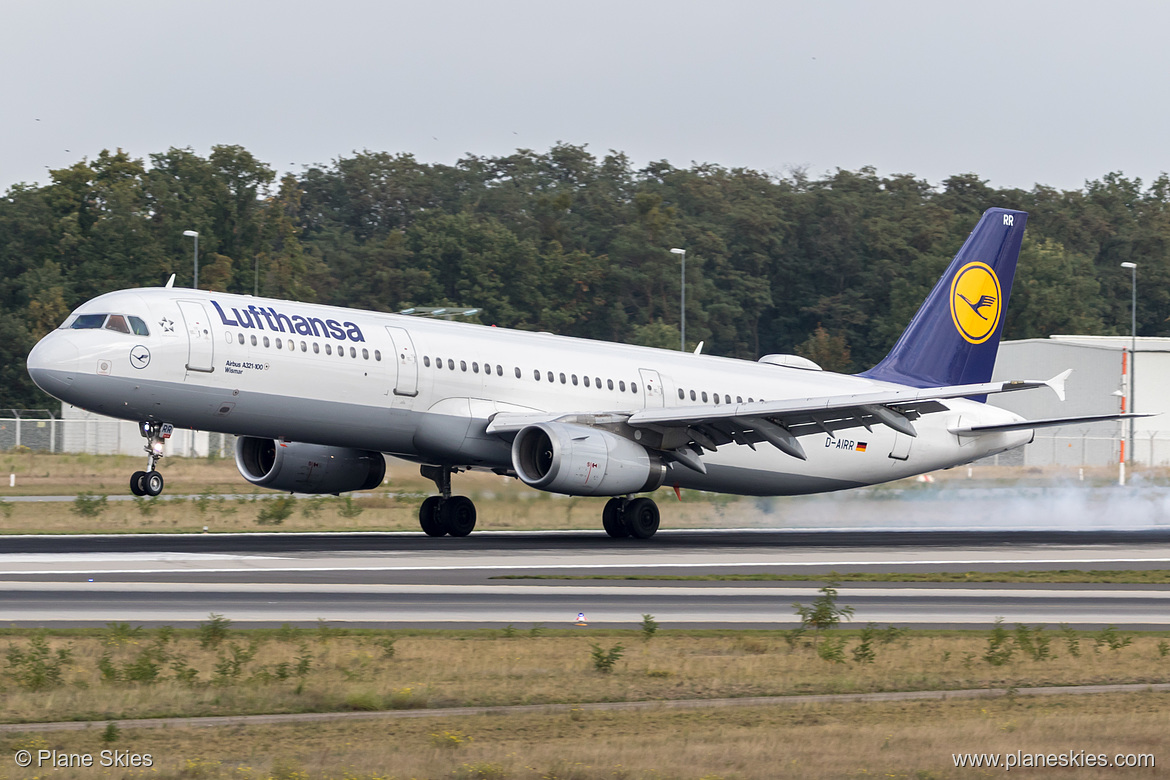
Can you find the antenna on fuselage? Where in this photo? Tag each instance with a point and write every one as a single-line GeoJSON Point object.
{"type": "Point", "coordinates": [170, 282]}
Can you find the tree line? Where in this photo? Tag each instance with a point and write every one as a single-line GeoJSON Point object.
{"type": "Point", "coordinates": [573, 243]}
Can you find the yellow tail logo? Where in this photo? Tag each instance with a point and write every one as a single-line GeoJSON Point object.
{"type": "Point", "coordinates": [975, 302]}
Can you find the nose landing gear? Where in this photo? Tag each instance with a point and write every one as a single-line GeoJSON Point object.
{"type": "Point", "coordinates": [150, 482]}
{"type": "Point", "coordinates": [445, 514]}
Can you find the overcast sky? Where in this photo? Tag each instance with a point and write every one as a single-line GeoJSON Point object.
{"type": "Point", "coordinates": [1017, 92]}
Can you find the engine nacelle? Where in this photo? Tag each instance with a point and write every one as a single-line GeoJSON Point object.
{"type": "Point", "coordinates": [307, 468]}
{"type": "Point", "coordinates": [583, 461]}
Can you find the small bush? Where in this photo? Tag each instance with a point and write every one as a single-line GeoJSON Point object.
{"type": "Point", "coordinates": [37, 668]}
{"type": "Point", "coordinates": [649, 627]}
{"type": "Point", "coordinates": [832, 650]}
{"type": "Point", "coordinates": [121, 633]}
{"type": "Point", "coordinates": [1108, 637]}
{"type": "Point", "coordinates": [999, 649]}
{"type": "Point", "coordinates": [824, 612]}
{"type": "Point", "coordinates": [1033, 642]}
{"type": "Point", "coordinates": [864, 652]}
{"type": "Point", "coordinates": [1072, 641]}
{"type": "Point", "coordinates": [509, 631]}
{"type": "Point", "coordinates": [536, 630]}
{"type": "Point", "coordinates": [604, 660]}
{"type": "Point", "coordinates": [349, 508]}
{"type": "Point", "coordinates": [89, 505]}
{"type": "Point", "coordinates": [276, 510]}
{"type": "Point", "coordinates": [213, 632]}
{"type": "Point", "coordinates": [6, 508]}
{"type": "Point", "coordinates": [366, 701]}
{"type": "Point", "coordinates": [1163, 649]}
{"type": "Point", "coordinates": [406, 699]}
{"type": "Point", "coordinates": [146, 505]}
{"type": "Point", "coordinates": [111, 733]}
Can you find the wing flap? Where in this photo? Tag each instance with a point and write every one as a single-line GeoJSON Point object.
{"type": "Point", "coordinates": [1050, 422]}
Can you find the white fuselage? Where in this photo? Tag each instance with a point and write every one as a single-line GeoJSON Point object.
{"type": "Point", "coordinates": [426, 389]}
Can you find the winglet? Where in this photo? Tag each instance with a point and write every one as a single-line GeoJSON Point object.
{"type": "Point", "coordinates": [171, 282]}
{"type": "Point", "coordinates": [699, 349]}
{"type": "Point", "coordinates": [1057, 383]}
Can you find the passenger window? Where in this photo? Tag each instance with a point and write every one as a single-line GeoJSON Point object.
{"type": "Point", "coordinates": [138, 326]}
{"type": "Point", "coordinates": [253, 340]}
{"type": "Point", "coordinates": [597, 381]}
{"type": "Point", "coordinates": [267, 343]}
{"type": "Point", "coordinates": [328, 349]}
{"type": "Point", "coordinates": [622, 386]}
{"type": "Point", "coordinates": [586, 380]}
{"type": "Point", "coordinates": [550, 377]}
{"type": "Point", "coordinates": [304, 347]}
{"type": "Point", "coordinates": [353, 352]}
{"type": "Point", "coordinates": [574, 378]}
{"type": "Point", "coordinates": [450, 364]}
{"type": "Point", "coordinates": [739, 399]}
{"type": "Point", "coordinates": [609, 383]}
{"type": "Point", "coordinates": [562, 379]}
{"type": "Point", "coordinates": [316, 348]}
{"type": "Point", "coordinates": [716, 399]}
{"type": "Point", "coordinates": [378, 355]}
{"type": "Point", "coordinates": [88, 321]}
{"type": "Point", "coordinates": [475, 368]}
{"type": "Point", "coordinates": [463, 365]}
{"type": "Point", "coordinates": [365, 354]}
{"type": "Point", "coordinates": [427, 361]}
{"type": "Point", "coordinates": [241, 336]}
{"type": "Point", "coordinates": [499, 370]}
{"type": "Point", "coordinates": [633, 387]}
{"type": "Point", "coordinates": [517, 371]}
{"type": "Point", "coordinates": [704, 396]}
{"type": "Point", "coordinates": [727, 399]}
{"type": "Point", "coordinates": [117, 322]}
{"type": "Point", "coordinates": [682, 396]}
{"type": "Point", "coordinates": [278, 344]}
{"type": "Point", "coordinates": [535, 373]}
{"type": "Point", "coordinates": [692, 395]}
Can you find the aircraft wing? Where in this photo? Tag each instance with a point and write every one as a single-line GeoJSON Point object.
{"type": "Point", "coordinates": [684, 433]}
{"type": "Point", "coordinates": [1049, 422]}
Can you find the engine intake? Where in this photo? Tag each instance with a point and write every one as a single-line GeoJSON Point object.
{"type": "Point", "coordinates": [294, 467]}
{"type": "Point", "coordinates": [582, 461]}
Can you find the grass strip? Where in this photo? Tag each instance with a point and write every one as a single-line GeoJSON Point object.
{"type": "Point", "coordinates": [1094, 576]}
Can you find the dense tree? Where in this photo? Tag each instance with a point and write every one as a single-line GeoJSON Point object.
{"type": "Point", "coordinates": [565, 241]}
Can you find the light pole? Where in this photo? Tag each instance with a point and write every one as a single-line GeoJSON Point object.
{"type": "Point", "coordinates": [195, 235]}
{"type": "Point", "coordinates": [682, 300]}
{"type": "Point", "coordinates": [1132, 347]}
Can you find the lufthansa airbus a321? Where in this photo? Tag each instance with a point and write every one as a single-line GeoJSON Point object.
{"type": "Point", "coordinates": [317, 394]}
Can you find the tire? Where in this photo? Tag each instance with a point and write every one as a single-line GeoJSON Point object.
{"type": "Point", "coordinates": [428, 516]}
{"type": "Point", "coordinates": [611, 519]}
{"type": "Point", "coordinates": [152, 483]}
{"type": "Point", "coordinates": [138, 483]}
{"type": "Point", "coordinates": [458, 514]}
{"type": "Point", "coordinates": [641, 517]}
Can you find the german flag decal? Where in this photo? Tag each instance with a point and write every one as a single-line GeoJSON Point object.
{"type": "Point", "coordinates": [860, 447]}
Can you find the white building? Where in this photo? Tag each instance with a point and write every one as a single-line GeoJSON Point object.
{"type": "Point", "coordinates": [1101, 371]}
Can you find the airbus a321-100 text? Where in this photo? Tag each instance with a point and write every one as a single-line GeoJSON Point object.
{"type": "Point", "coordinates": [317, 394]}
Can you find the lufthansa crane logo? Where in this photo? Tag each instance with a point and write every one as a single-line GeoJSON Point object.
{"type": "Point", "coordinates": [975, 302]}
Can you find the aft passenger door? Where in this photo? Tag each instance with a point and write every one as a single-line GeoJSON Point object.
{"type": "Point", "coordinates": [200, 345]}
{"type": "Point", "coordinates": [406, 362]}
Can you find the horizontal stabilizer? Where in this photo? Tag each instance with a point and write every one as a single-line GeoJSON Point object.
{"type": "Point", "coordinates": [1051, 422]}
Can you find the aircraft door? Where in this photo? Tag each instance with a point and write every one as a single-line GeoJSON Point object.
{"type": "Point", "coordinates": [901, 448]}
{"type": "Point", "coordinates": [651, 388]}
{"type": "Point", "coordinates": [200, 345]}
{"type": "Point", "coordinates": [405, 361]}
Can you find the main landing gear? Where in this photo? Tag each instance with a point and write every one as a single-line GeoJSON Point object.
{"type": "Point", "coordinates": [624, 517]}
{"type": "Point", "coordinates": [445, 514]}
{"type": "Point", "coordinates": [150, 482]}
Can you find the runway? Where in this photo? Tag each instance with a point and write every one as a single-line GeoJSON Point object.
{"type": "Point", "coordinates": [400, 580]}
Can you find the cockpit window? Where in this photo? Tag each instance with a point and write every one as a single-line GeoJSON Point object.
{"type": "Point", "coordinates": [88, 321]}
{"type": "Point", "coordinates": [117, 322]}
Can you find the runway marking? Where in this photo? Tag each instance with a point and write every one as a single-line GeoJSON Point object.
{"type": "Point", "coordinates": [581, 566]}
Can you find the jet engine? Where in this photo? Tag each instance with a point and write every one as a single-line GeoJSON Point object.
{"type": "Point", "coordinates": [307, 468]}
{"type": "Point", "coordinates": [583, 461]}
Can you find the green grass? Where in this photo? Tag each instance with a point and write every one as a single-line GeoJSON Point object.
{"type": "Point", "coordinates": [1098, 577]}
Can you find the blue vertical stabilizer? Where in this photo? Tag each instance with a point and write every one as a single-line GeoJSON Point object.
{"type": "Point", "coordinates": [954, 337]}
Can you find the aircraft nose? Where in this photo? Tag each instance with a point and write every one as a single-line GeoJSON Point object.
{"type": "Point", "coordinates": [53, 363]}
